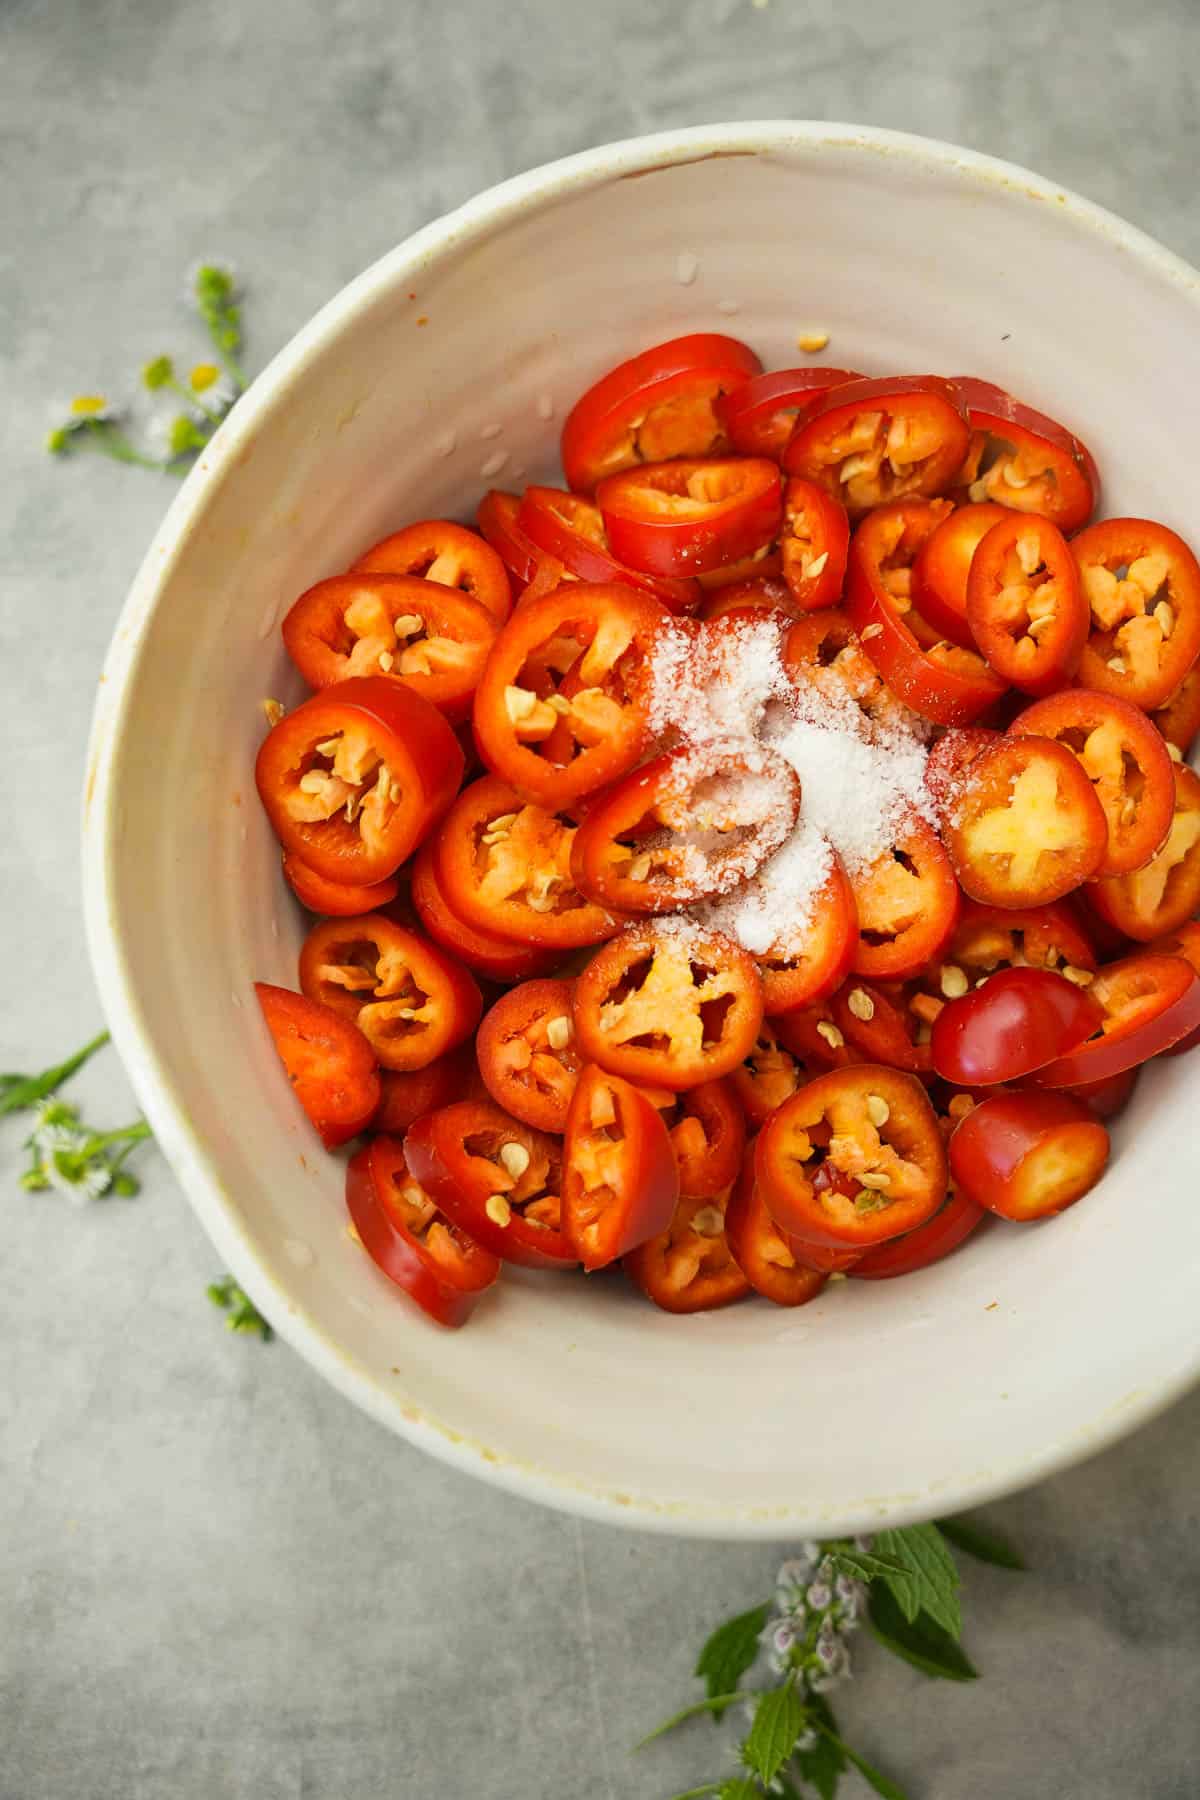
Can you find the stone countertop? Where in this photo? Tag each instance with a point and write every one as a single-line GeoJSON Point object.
{"type": "Point", "coordinates": [217, 1581]}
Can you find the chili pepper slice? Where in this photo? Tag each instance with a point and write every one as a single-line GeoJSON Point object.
{"type": "Point", "coordinates": [767, 1075]}
{"type": "Point", "coordinates": [750, 599]}
{"type": "Point", "coordinates": [852, 1159]}
{"type": "Point", "coordinates": [814, 1039]}
{"type": "Point", "coordinates": [1028, 1155]}
{"type": "Point", "coordinates": [408, 1094]}
{"type": "Point", "coordinates": [689, 1267]}
{"type": "Point", "coordinates": [765, 563]}
{"type": "Point", "coordinates": [527, 1053]}
{"type": "Point", "coordinates": [873, 441]}
{"type": "Point", "coordinates": [1150, 1003]}
{"type": "Point", "coordinates": [496, 1178]}
{"type": "Point", "coordinates": [881, 1024]}
{"type": "Point", "coordinates": [805, 965]}
{"type": "Point", "coordinates": [759, 416]}
{"type": "Point", "coordinates": [411, 1001]}
{"type": "Point", "coordinates": [988, 938]}
{"type": "Point", "coordinates": [907, 904]}
{"type": "Point", "coordinates": [1126, 761]}
{"type": "Point", "coordinates": [407, 1237]}
{"type": "Point", "coordinates": [823, 650]}
{"type": "Point", "coordinates": [453, 556]}
{"type": "Point", "coordinates": [497, 520]}
{"type": "Point", "coordinates": [949, 1227]}
{"type": "Point", "coordinates": [573, 534]}
{"type": "Point", "coordinates": [620, 1185]}
{"type": "Point", "coordinates": [691, 515]}
{"type": "Point", "coordinates": [1142, 584]}
{"type": "Point", "coordinates": [334, 899]}
{"type": "Point", "coordinates": [669, 1006]}
{"type": "Point", "coordinates": [488, 954]}
{"type": "Point", "coordinates": [1026, 827]}
{"type": "Point", "coordinates": [1017, 1021]}
{"type": "Point", "coordinates": [1163, 895]}
{"type": "Point", "coordinates": [328, 1061]}
{"type": "Point", "coordinates": [1179, 719]}
{"type": "Point", "coordinates": [814, 544]}
{"type": "Point", "coordinates": [356, 777]}
{"type": "Point", "coordinates": [764, 1253]}
{"type": "Point", "coordinates": [1025, 460]}
{"type": "Point", "coordinates": [708, 1138]}
{"type": "Point", "coordinates": [1025, 605]}
{"type": "Point", "coordinates": [942, 565]}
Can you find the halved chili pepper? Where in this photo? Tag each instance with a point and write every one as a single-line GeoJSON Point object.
{"type": "Point", "coordinates": [497, 958]}
{"type": "Point", "coordinates": [949, 1227]}
{"type": "Point", "coordinates": [354, 779]}
{"type": "Point", "coordinates": [1150, 1002]}
{"type": "Point", "coordinates": [496, 518]}
{"type": "Point", "coordinates": [1126, 761]}
{"type": "Point", "coordinates": [814, 544]}
{"type": "Point", "coordinates": [407, 1237]}
{"type": "Point", "coordinates": [689, 1267]}
{"type": "Point", "coordinates": [1025, 460]}
{"type": "Point", "coordinates": [759, 416]}
{"type": "Point", "coordinates": [1017, 1021]}
{"type": "Point", "coordinates": [334, 899]}
{"type": "Point", "coordinates": [1027, 827]}
{"type": "Point", "coordinates": [852, 1159]}
{"type": "Point", "coordinates": [708, 1137]}
{"type": "Point", "coordinates": [907, 904]}
{"type": "Point", "coordinates": [658, 404]}
{"type": "Point", "coordinates": [1142, 584]}
{"type": "Point", "coordinates": [438, 550]}
{"type": "Point", "coordinates": [764, 1252]}
{"type": "Point", "coordinates": [767, 1075]}
{"type": "Point", "coordinates": [1025, 606]}
{"type": "Point", "coordinates": [693, 823]}
{"type": "Point", "coordinates": [328, 1061]}
{"type": "Point", "coordinates": [988, 938]}
{"type": "Point", "coordinates": [505, 867]}
{"type": "Point", "coordinates": [1164, 894]}
{"type": "Point", "coordinates": [1179, 719]}
{"type": "Point", "coordinates": [572, 532]}
{"type": "Point", "coordinates": [670, 1005]}
{"type": "Point", "coordinates": [1028, 1155]}
{"type": "Point", "coordinates": [408, 1094]}
{"type": "Point", "coordinates": [527, 1054]}
{"type": "Point", "coordinates": [872, 441]}
{"type": "Point", "coordinates": [411, 1001]}
{"type": "Point", "coordinates": [944, 683]}
{"type": "Point", "coordinates": [607, 633]}
{"type": "Point", "coordinates": [942, 565]}
{"type": "Point", "coordinates": [679, 518]}
{"type": "Point", "coordinates": [426, 635]}
{"type": "Point", "coordinates": [620, 1181]}
{"type": "Point", "coordinates": [496, 1178]}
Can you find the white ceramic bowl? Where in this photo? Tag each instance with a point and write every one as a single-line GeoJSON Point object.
{"type": "Point", "coordinates": [1026, 1351]}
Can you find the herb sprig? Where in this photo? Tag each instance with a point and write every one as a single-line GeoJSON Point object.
{"type": "Point", "coordinates": [903, 1583]}
{"type": "Point", "coordinates": [241, 1314]}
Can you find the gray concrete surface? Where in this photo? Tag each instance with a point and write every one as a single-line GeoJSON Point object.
{"type": "Point", "coordinates": [216, 1581]}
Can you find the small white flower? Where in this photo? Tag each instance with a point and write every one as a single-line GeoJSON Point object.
{"type": "Point", "coordinates": [796, 1572]}
{"type": "Point", "coordinates": [864, 1543]}
{"type": "Point", "coordinates": [82, 1184]}
{"type": "Point", "coordinates": [846, 1588]}
{"type": "Point", "coordinates": [807, 1740]}
{"type": "Point", "coordinates": [783, 1636]}
{"type": "Point", "coordinates": [819, 1596]}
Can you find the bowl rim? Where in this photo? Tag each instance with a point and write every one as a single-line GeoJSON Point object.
{"type": "Point", "coordinates": [166, 1108]}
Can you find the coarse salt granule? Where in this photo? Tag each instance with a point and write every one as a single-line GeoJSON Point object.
{"type": "Point", "coordinates": [773, 912]}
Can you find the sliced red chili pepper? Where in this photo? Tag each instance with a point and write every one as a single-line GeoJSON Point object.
{"type": "Point", "coordinates": [1018, 1021]}
{"type": "Point", "coordinates": [669, 1006]}
{"type": "Point", "coordinates": [354, 779]}
{"type": "Point", "coordinates": [949, 1227]}
{"type": "Point", "coordinates": [608, 632]}
{"type": "Point", "coordinates": [872, 441]}
{"type": "Point", "coordinates": [765, 564]}
{"type": "Point", "coordinates": [988, 938]}
{"type": "Point", "coordinates": [438, 550]}
{"type": "Point", "coordinates": [658, 404]}
{"type": "Point", "coordinates": [408, 1094]}
{"type": "Point", "coordinates": [421, 633]}
{"type": "Point", "coordinates": [951, 757]}
{"type": "Point", "coordinates": [328, 1061]}
{"type": "Point", "coordinates": [814, 1039]}
{"type": "Point", "coordinates": [406, 1236]}
{"type": "Point", "coordinates": [1025, 460]}
{"type": "Point", "coordinates": [1126, 761]}
{"type": "Point", "coordinates": [411, 1001]}
{"type": "Point", "coordinates": [822, 650]}
{"type": "Point", "coordinates": [1105, 1099]}
{"type": "Point", "coordinates": [1163, 895]}
{"type": "Point", "coordinates": [496, 1178]}
{"type": "Point", "coordinates": [527, 1054]}
{"type": "Point", "coordinates": [639, 847]}
{"type": "Point", "coordinates": [1142, 584]}
{"type": "Point", "coordinates": [766, 1076]}
{"type": "Point", "coordinates": [752, 598]}
{"type": "Point", "coordinates": [497, 958]}
{"type": "Point", "coordinates": [814, 545]}
{"type": "Point", "coordinates": [334, 899]}
{"type": "Point", "coordinates": [759, 416]}
{"type": "Point", "coordinates": [505, 867]}
{"type": "Point", "coordinates": [763, 1252]}
{"type": "Point", "coordinates": [1179, 719]}
{"type": "Point", "coordinates": [804, 966]}
{"type": "Point", "coordinates": [573, 534]}
{"type": "Point", "coordinates": [942, 565]}
{"type": "Point", "coordinates": [852, 1159]}
{"type": "Point", "coordinates": [708, 1138]}
{"type": "Point", "coordinates": [680, 518]}
{"type": "Point", "coordinates": [881, 1024]}
{"type": "Point", "coordinates": [1150, 1002]}
{"type": "Point", "coordinates": [907, 904]}
{"type": "Point", "coordinates": [1025, 606]}
{"type": "Point", "coordinates": [945, 683]}
{"type": "Point", "coordinates": [497, 520]}
{"type": "Point", "coordinates": [620, 1185]}
{"type": "Point", "coordinates": [1028, 1155]}
{"type": "Point", "coordinates": [1026, 827]}
{"type": "Point", "coordinates": [1183, 941]}
{"type": "Point", "coordinates": [689, 1267]}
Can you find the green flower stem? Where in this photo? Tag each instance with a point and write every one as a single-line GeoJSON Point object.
{"type": "Point", "coordinates": [18, 1092]}
{"type": "Point", "coordinates": [718, 1704]}
{"type": "Point", "coordinates": [193, 399]}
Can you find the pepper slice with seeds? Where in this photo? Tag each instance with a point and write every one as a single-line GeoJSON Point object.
{"type": "Point", "coordinates": [496, 1178]}
{"type": "Point", "coordinates": [1142, 584]}
{"type": "Point", "coordinates": [1025, 606]}
{"type": "Point", "coordinates": [764, 1253]}
{"type": "Point", "coordinates": [527, 1053]}
{"type": "Point", "coordinates": [411, 1240]}
{"type": "Point", "coordinates": [620, 1182]}
{"type": "Point", "coordinates": [438, 550]}
{"type": "Point", "coordinates": [411, 1001]}
{"type": "Point", "coordinates": [689, 1267]}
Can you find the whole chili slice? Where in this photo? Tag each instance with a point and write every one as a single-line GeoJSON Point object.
{"type": "Point", "coordinates": [1142, 584]}
{"type": "Point", "coordinates": [814, 544]}
{"type": "Point", "coordinates": [907, 902]}
{"type": "Point", "coordinates": [406, 1236]}
{"type": "Point", "coordinates": [497, 958]}
{"type": "Point", "coordinates": [691, 515]}
{"type": "Point", "coordinates": [411, 1000]}
{"type": "Point", "coordinates": [527, 1054]}
{"type": "Point", "coordinates": [873, 441]}
{"type": "Point", "coordinates": [942, 565]}
{"type": "Point", "coordinates": [759, 416]}
{"type": "Point", "coordinates": [764, 1253]}
{"type": "Point", "coordinates": [1165, 894]}
{"type": "Point", "coordinates": [1028, 1155]}
{"type": "Point", "coordinates": [708, 1139]}
{"type": "Point", "coordinates": [453, 556]}
{"type": "Point", "coordinates": [1025, 606]}
{"type": "Point", "coordinates": [496, 1178]}
{"type": "Point", "coordinates": [620, 1183]}
{"type": "Point", "coordinates": [802, 966]}
{"type": "Point", "coordinates": [1023, 459]}
{"type": "Point", "coordinates": [1027, 827]}
{"type": "Point", "coordinates": [689, 1267]}
{"type": "Point", "coordinates": [1150, 1003]}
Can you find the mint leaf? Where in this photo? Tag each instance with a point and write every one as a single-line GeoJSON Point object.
{"type": "Point", "coordinates": [882, 1784]}
{"type": "Point", "coordinates": [920, 1641]}
{"type": "Point", "coordinates": [865, 1564]}
{"type": "Point", "coordinates": [730, 1651]}
{"type": "Point", "coordinates": [739, 1787]}
{"type": "Point", "coordinates": [930, 1579]}
{"type": "Point", "coordinates": [778, 1722]}
{"type": "Point", "coordinates": [822, 1767]}
{"type": "Point", "coordinates": [985, 1545]}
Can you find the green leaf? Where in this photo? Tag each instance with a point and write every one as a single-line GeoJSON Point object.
{"type": "Point", "coordinates": [865, 1564]}
{"type": "Point", "coordinates": [920, 1641]}
{"type": "Point", "coordinates": [20, 1091]}
{"type": "Point", "coordinates": [883, 1784]}
{"type": "Point", "coordinates": [930, 1581]}
{"type": "Point", "coordinates": [730, 1651]}
{"type": "Point", "coordinates": [739, 1787]}
{"type": "Point", "coordinates": [824, 1765]}
{"type": "Point", "coordinates": [985, 1545]}
{"type": "Point", "coordinates": [716, 1704]}
{"type": "Point", "coordinates": [778, 1722]}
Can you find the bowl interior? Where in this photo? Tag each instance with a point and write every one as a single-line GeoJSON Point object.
{"type": "Point", "coordinates": [1030, 1346]}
